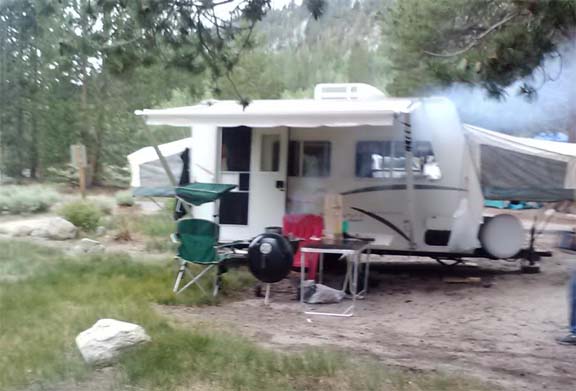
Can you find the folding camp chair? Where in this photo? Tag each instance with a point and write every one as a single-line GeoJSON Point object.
{"type": "Point", "coordinates": [198, 244]}
{"type": "Point", "coordinates": [198, 239]}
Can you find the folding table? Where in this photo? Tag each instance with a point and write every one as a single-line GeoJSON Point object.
{"type": "Point", "coordinates": [351, 249]}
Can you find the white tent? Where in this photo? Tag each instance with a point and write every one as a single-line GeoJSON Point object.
{"type": "Point", "coordinates": [519, 168]}
{"type": "Point", "coordinates": [148, 175]}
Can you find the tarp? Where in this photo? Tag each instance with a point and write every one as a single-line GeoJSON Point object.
{"type": "Point", "coordinates": [519, 168]}
{"type": "Point", "coordinates": [148, 177]}
{"type": "Point", "coordinates": [285, 112]}
{"type": "Point", "coordinates": [201, 193]}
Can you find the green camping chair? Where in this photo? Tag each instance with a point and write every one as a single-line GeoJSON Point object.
{"type": "Point", "coordinates": [198, 244]}
{"type": "Point", "coordinates": [198, 239]}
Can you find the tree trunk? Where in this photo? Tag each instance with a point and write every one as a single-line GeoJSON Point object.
{"type": "Point", "coordinates": [34, 150]}
{"type": "Point", "coordinates": [3, 74]}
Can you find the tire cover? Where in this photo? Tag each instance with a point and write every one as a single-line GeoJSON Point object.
{"type": "Point", "coordinates": [502, 236]}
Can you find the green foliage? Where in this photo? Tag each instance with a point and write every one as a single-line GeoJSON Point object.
{"type": "Point", "coordinates": [124, 198]}
{"type": "Point", "coordinates": [83, 214]}
{"type": "Point", "coordinates": [44, 310]}
{"type": "Point", "coordinates": [102, 202]}
{"type": "Point", "coordinates": [341, 46]}
{"type": "Point", "coordinates": [156, 228]}
{"type": "Point", "coordinates": [156, 225]}
{"type": "Point", "coordinates": [490, 43]}
{"type": "Point", "coordinates": [27, 199]}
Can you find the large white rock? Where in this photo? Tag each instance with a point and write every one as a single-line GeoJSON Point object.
{"type": "Point", "coordinates": [57, 228]}
{"type": "Point", "coordinates": [102, 343]}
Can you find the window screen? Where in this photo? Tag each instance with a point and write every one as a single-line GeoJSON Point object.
{"type": "Point", "coordinates": [385, 159]}
{"type": "Point", "coordinates": [234, 208]}
{"type": "Point", "coordinates": [309, 158]}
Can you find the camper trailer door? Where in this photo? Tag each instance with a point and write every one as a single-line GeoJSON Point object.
{"type": "Point", "coordinates": [268, 178]}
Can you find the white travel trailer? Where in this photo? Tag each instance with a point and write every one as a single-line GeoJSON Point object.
{"type": "Point", "coordinates": [402, 165]}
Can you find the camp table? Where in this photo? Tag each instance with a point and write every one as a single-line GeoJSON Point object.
{"type": "Point", "coordinates": [350, 249]}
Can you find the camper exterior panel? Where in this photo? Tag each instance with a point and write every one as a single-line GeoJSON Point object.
{"type": "Point", "coordinates": [204, 167]}
{"type": "Point", "coordinates": [376, 206]}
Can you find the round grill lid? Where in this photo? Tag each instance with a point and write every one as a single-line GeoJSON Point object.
{"type": "Point", "coordinates": [270, 257]}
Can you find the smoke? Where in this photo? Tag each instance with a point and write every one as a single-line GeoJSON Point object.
{"type": "Point", "coordinates": [552, 109]}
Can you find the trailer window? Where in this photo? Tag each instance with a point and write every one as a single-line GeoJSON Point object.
{"type": "Point", "coordinates": [309, 158]}
{"type": "Point", "coordinates": [385, 159]}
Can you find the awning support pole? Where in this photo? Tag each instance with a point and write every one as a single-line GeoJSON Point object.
{"type": "Point", "coordinates": [170, 175]}
{"type": "Point", "coordinates": [165, 166]}
{"type": "Point", "coordinates": [409, 160]}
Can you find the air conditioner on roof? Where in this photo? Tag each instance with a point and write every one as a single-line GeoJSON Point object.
{"type": "Point", "coordinates": [347, 91]}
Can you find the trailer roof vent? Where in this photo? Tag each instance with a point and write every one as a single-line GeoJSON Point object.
{"type": "Point", "coordinates": [347, 91]}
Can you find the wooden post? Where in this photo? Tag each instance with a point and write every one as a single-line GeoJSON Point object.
{"type": "Point", "coordinates": [82, 180]}
{"type": "Point", "coordinates": [79, 160]}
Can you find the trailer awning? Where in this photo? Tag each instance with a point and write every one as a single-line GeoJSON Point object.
{"type": "Point", "coordinates": [201, 193]}
{"type": "Point", "coordinates": [519, 168]}
{"type": "Point", "coordinates": [292, 113]}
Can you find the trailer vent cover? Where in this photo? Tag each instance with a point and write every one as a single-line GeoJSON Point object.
{"type": "Point", "coordinates": [270, 257]}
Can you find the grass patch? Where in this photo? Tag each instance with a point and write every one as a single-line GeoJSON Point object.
{"type": "Point", "coordinates": [157, 229]}
{"type": "Point", "coordinates": [44, 310]}
{"type": "Point", "coordinates": [159, 225]}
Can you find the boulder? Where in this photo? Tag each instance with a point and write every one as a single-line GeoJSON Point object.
{"type": "Point", "coordinates": [102, 344]}
{"type": "Point", "coordinates": [89, 246]}
{"type": "Point", "coordinates": [22, 230]}
{"type": "Point", "coordinates": [56, 228]}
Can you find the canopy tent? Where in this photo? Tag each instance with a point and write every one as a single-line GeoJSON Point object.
{"type": "Point", "coordinates": [271, 113]}
{"type": "Point", "coordinates": [149, 179]}
{"type": "Point", "coordinates": [519, 168]}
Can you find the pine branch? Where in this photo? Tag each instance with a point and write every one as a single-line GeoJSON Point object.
{"type": "Point", "coordinates": [476, 40]}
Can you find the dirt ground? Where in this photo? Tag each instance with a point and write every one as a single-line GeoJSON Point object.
{"type": "Point", "coordinates": [501, 329]}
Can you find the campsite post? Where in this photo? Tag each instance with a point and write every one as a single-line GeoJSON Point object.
{"type": "Point", "coordinates": [78, 158]}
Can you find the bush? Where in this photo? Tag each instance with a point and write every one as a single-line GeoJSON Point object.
{"type": "Point", "coordinates": [26, 199]}
{"type": "Point", "coordinates": [104, 203]}
{"type": "Point", "coordinates": [124, 198]}
{"type": "Point", "coordinates": [82, 214]}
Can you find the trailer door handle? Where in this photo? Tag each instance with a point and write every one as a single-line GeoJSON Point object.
{"type": "Point", "coordinates": [280, 185]}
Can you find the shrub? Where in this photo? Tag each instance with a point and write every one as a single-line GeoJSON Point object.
{"type": "Point", "coordinates": [26, 199]}
{"type": "Point", "coordinates": [124, 198]}
{"type": "Point", "coordinates": [124, 233]}
{"type": "Point", "coordinates": [83, 214]}
{"type": "Point", "coordinates": [104, 203]}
